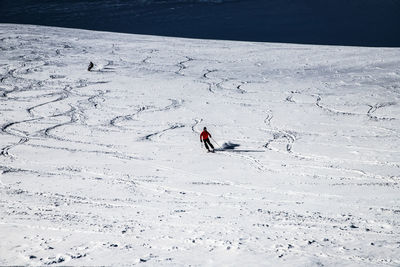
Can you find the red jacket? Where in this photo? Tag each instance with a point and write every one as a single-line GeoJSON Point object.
{"type": "Point", "coordinates": [204, 135]}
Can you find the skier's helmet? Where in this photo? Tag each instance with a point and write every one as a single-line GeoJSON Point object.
{"type": "Point", "coordinates": [205, 128]}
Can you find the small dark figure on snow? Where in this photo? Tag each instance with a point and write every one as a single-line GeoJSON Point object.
{"type": "Point", "coordinates": [90, 67]}
{"type": "Point", "coordinates": [204, 137]}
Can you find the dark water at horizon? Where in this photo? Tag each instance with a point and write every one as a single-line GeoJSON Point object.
{"type": "Point", "coordinates": [339, 22]}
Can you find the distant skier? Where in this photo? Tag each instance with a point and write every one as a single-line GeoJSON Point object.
{"type": "Point", "coordinates": [90, 67]}
{"type": "Point", "coordinates": [204, 137]}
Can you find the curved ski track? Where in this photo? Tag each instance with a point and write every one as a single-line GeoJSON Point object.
{"type": "Point", "coordinates": [74, 190]}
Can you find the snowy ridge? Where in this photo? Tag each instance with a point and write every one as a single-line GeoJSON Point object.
{"type": "Point", "coordinates": [105, 167]}
{"type": "Point", "coordinates": [340, 22]}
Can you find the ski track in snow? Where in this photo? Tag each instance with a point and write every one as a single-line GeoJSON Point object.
{"type": "Point", "coordinates": [105, 167]}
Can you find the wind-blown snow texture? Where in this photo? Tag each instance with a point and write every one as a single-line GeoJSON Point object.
{"type": "Point", "coordinates": [105, 167]}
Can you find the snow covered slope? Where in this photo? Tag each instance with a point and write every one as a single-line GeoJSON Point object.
{"type": "Point", "coordinates": [106, 168]}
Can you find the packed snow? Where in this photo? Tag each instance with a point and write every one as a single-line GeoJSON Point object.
{"type": "Point", "coordinates": [105, 167]}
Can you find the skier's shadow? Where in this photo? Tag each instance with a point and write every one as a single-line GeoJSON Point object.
{"type": "Point", "coordinates": [231, 147]}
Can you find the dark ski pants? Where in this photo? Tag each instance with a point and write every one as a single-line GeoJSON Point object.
{"type": "Point", "coordinates": [207, 142]}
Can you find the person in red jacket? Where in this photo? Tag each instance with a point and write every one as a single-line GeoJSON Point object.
{"type": "Point", "coordinates": [204, 137]}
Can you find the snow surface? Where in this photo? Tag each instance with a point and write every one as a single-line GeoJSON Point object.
{"type": "Point", "coordinates": [106, 168]}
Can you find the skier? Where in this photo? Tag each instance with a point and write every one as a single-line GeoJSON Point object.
{"type": "Point", "coordinates": [204, 137]}
{"type": "Point", "coordinates": [90, 67]}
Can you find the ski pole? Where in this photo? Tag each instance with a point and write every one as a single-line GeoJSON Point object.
{"type": "Point", "coordinates": [216, 142]}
